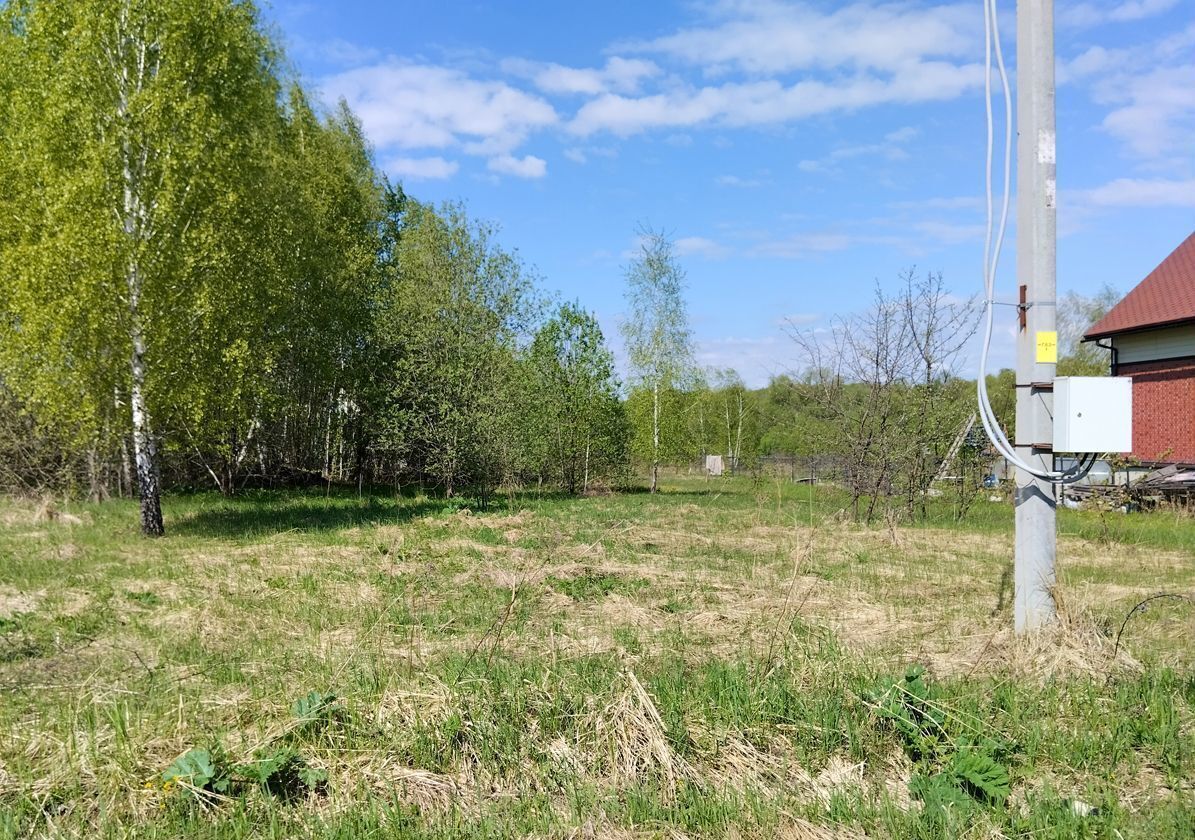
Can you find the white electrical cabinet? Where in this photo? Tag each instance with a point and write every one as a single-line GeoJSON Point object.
{"type": "Point", "coordinates": [1093, 414]}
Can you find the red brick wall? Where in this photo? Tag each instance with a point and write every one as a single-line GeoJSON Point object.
{"type": "Point", "coordinates": [1163, 409]}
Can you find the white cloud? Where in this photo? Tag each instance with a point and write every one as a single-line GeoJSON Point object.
{"type": "Point", "coordinates": [768, 102]}
{"type": "Point", "coordinates": [524, 167]}
{"type": "Point", "coordinates": [417, 106]}
{"type": "Point", "coordinates": [1139, 192]}
{"type": "Point", "coordinates": [576, 155]}
{"type": "Point", "coordinates": [1090, 14]}
{"type": "Point", "coordinates": [770, 37]}
{"type": "Point", "coordinates": [736, 181]}
{"type": "Point", "coordinates": [421, 169]}
{"type": "Point", "coordinates": [1149, 90]}
{"type": "Point", "coordinates": [334, 51]}
{"type": "Point", "coordinates": [1157, 116]}
{"type": "Point", "coordinates": [793, 61]}
{"type": "Point", "coordinates": [699, 246]}
{"type": "Point", "coordinates": [1093, 61]}
{"type": "Point", "coordinates": [902, 135]}
{"type": "Point", "coordinates": [891, 147]}
{"type": "Point", "coordinates": [803, 245]}
{"type": "Point", "coordinates": [619, 74]}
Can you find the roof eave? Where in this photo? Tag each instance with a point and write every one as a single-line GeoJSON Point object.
{"type": "Point", "coordinates": [1092, 336]}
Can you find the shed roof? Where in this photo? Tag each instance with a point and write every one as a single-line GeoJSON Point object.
{"type": "Point", "coordinates": [1165, 296]}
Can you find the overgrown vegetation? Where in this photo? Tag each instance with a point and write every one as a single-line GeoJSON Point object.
{"type": "Point", "coordinates": [718, 659]}
{"type": "Point", "coordinates": [206, 281]}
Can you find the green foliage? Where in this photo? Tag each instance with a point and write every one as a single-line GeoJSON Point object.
{"type": "Point", "coordinates": [200, 769]}
{"type": "Point", "coordinates": [542, 711]}
{"type": "Point", "coordinates": [908, 707]}
{"type": "Point", "coordinates": [952, 771]}
{"type": "Point", "coordinates": [969, 776]}
{"type": "Point", "coordinates": [1076, 314]}
{"type": "Point", "coordinates": [187, 238]}
{"type": "Point", "coordinates": [659, 345]}
{"type": "Point", "coordinates": [939, 792]}
{"type": "Point", "coordinates": [279, 771]}
{"type": "Point", "coordinates": [975, 770]}
{"type": "Point", "coordinates": [145, 599]}
{"type": "Point", "coordinates": [574, 422]}
{"type": "Point", "coordinates": [317, 708]}
{"type": "Point", "coordinates": [451, 311]}
{"type": "Point", "coordinates": [885, 378]}
{"type": "Point", "coordinates": [282, 772]}
{"type": "Point", "coordinates": [665, 412]}
{"type": "Point", "coordinates": [591, 585]}
{"type": "Point", "coordinates": [134, 164]}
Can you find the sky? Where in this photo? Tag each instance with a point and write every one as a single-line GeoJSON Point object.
{"type": "Point", "coordinates": [797, 153]}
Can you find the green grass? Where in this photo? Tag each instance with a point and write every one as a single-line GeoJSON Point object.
{"type": "Point", "coordinates": [726, 658]}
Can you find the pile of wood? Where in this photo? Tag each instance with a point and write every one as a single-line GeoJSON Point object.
{"type": "Point", "coordinates": [1174, 483]}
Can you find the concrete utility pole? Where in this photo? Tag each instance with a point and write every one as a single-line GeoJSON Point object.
{"type": "Point", "coordinates": [1036, 340]}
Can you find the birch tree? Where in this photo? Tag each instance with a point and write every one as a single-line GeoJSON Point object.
{"type": "Point", "coordinates": [132, 140]}
{"type": "Point", "coordinates": [658, 339]}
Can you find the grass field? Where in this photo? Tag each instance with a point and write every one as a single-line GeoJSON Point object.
{"type": "Point", "coordinates": [724, 659]}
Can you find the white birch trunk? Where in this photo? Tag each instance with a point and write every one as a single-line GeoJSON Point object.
{"type": "Point", "coordinates": [655, 437]}
{"type": "Point", "coordinates": [133, 211]}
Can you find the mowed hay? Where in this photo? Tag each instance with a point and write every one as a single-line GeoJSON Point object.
{"type": "Point", "coordinates": [632, 741]}
{"type": "Point", "coordinates": [431, 792]}
{"type": "Point", "coordinates": [798, 829]}
{"type": "Point", "coordinates": [48, 511]}
{"type": "Point", "coordinates": [1074, 644]}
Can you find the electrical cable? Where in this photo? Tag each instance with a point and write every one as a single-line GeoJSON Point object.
{"type": "Point", "coordinates": [991, 261]}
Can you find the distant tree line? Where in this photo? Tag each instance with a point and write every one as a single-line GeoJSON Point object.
{"type": "Point", "coordinates": [878, 401]}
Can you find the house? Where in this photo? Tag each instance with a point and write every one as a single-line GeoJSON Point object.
{"type": "Point", "coordinates": [1151, 334]}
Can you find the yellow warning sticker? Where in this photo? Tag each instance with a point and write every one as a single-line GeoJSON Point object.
{"type": "Point", "coordinates": [1047, 348]}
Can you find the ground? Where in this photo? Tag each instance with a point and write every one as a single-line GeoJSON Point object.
{"type": "Point", "coordinates": [729, 658]}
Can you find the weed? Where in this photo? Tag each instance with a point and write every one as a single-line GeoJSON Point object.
{"type": "Point", "coordinates": [317, 708]}
{"type": "Point", "coordinates": [591, 585]}
{"type": "Point", "coordinates": [209, 775]}
{"type": "Point", "coordinates": [951, 769]}
{"type": "Point", "coordinates": [145, 599]}
{"type": "Point", "coordinates": [283, 773]}
{"type": "Point", "coordinates": [200, 771]}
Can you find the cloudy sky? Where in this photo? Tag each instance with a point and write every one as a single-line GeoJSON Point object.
{"type": "Point", "coordinates": [797, 152]}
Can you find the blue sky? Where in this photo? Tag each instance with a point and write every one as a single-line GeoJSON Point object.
{"type": "Point", "coordinates": [797, 152]}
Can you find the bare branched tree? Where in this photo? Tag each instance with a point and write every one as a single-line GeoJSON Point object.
{"type": "Point", "coordinates": [884, 375]}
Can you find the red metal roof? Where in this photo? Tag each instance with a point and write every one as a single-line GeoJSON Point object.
{"type": "Point", "coordinates": [1166, 296]}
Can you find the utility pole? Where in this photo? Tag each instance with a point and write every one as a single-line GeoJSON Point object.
{"type": "Point", "coordinates": [1033, 576]}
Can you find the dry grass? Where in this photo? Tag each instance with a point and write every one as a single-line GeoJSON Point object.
{"type": "Point", "coordinates": [221, 634]}
{"type": "Point", "coordinates": [633, 742]}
